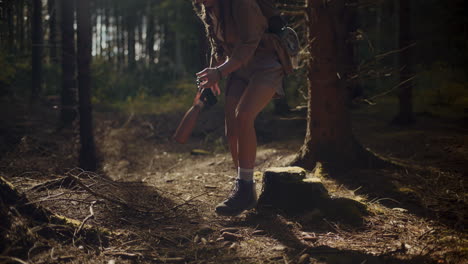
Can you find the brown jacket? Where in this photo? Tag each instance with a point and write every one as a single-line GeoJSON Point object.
{"type": "Point", "coordinates": [244, 34]}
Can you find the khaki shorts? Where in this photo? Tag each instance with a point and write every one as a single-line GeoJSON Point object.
{"type": "Point", "coordinates": [263, 70]}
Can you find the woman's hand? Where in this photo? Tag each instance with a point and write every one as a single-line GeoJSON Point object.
{"type": "Point", "coordinates": [209, 78]}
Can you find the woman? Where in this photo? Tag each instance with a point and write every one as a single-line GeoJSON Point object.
{"type": "Point", "coordinates": [249, 56]}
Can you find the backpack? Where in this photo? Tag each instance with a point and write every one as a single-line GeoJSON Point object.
{"type": "Point", "coordinates": [277, 25]}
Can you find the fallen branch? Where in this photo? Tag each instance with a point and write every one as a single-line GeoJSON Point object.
{"type": "Point", "coordinates": [14, 259]}
{"type": "Point", "coordinates": [125, 204]}
{"type": "Point", "coordinates": [91, 215]}
{"type": "Point", "coordinates": [105, 197]}
{"type": "Point", "coordinates": [388, 91]}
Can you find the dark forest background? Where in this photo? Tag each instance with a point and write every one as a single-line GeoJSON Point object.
{"type": "Point", "coordinates": [145, 53]}
{"type": "Point", "coordinates": [91, 92]}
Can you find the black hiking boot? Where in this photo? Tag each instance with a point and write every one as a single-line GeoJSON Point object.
{"type": "Point", "coordinates": [243, 197]}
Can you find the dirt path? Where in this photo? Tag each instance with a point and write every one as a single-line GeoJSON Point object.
{"type": "Point", "coordinates": [200, 181]}
{"type": "Point", "coordinates": [178, 189]}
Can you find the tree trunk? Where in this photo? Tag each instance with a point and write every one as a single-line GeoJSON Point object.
{"type": "Point", "coordinates": [150, 34]}
{"type": "Point", "coordinates": [37, 43]}
{"type": "Point", "coordinates": [68, 94]}
{"type": "Point", "coordinates": [120, 39]}
{"type": "Point", "coordinates": [10, 26]}
{"type": "Point", "coordinates": [329, 138]}
{"type": "Point", "coordinates": [108, 43]}
{"type": "Point", "coordinates": [131, 41]}
{"type": "Point", "coordinates": [179, 64]}
{"type": "Point", "coordinates": [405, 114]}
{"type": "Point", "coordinates": [351, 22]}
{"type": "Point", "coordinates": [88, 159]}
{"type": "Point", "coordinates": [51, 6]}
{"type": "Point", "coordinates": [20, 26]}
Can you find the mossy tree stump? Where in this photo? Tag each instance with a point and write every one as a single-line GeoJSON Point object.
{"type": "Point", "coordinates": [288, 189]}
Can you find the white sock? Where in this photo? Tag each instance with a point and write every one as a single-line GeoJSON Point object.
{"type": "Point", "coordinates": [245, 174]}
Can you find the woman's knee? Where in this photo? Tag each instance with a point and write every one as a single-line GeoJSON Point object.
{"type": "Point", "coordinates": [244, 117]}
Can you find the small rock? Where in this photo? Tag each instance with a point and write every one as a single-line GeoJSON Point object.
{"type": "Point", "coordinates": [230, 230]}
{"type": "Point", "coordinates": [279, 248]}
{"type": "Point", "coordinates": [304, 259]}
{"type": "Point", "coordinates": [205, 229]}
{"type": "Point", "coordinates": [231, 236]}
{"type": "Point", "coordinates": [259, 233]}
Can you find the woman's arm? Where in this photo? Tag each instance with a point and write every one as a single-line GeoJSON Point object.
{"type": "Point", "coordinates": [250, 25]}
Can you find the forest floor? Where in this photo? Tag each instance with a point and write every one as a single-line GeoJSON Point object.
{"type": "Point", "coordinates": [153, 200]}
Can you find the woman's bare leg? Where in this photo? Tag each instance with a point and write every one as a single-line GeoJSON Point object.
{"type": "Point", "coordinates": [253, 100]}
{"type": "Point", "coordinates": [235, 91]}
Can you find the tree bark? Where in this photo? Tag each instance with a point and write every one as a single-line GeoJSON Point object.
{"type": "Point", "coordinates": [405, 114]}
{"type": "Point", "coordinates": [51, 6]}
{"type": "Point", "coordinates": [10, 26]}
{"type": "Point", "coordinates": [150, 33]}
{"type": "Point", "coordinates": [88, 159]}
{"type": "Point", "coordinates": [329, 138]}
{"type": "Point", "coordinates": [20, 26]}
{"type": "Point", "coordinates": [37, 43]}
{"type": "Point", "coordinates": [131, 40]}
{"type": "Point", "coordinates": [68, 111]}
{"type": "Point", "coordinates": [108, 43]}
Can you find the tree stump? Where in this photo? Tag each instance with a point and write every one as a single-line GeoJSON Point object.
{"type": "Point", "coordinates": [288, 189]}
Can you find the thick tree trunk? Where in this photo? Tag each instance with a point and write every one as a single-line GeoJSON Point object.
{"type": "Point", "coordinates": [37, 43]}
{"type": "Point", "coordinates": [68, 111]}
{"type": "Point", "coordinates": [329, 138]}
{"type": "Point", "coordinates": [88, 159]}
{"type": "Point", "coordinates": [405, 114]}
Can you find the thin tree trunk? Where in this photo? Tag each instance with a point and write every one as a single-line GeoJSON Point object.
{"type": "Point", "coordinates": [88, 159]}
{"type": "Point", "coordinates": [351, 22]}
{"type": "Point", "coordinates": [179, 64]}
{"type": "Point", "coordinates": [120, 41]}
{"type": "Point", "coordinates": [131, 41]}
{"type": "Point", "coordinates": [20, 25]}
{"type": "Point", "coordinates": [37, 43]}
{"type": "Point", "coordinates": [329, 138]}
{"type": "Point", "coordinates": [10, 26]}
{"type": "Point", "coordinates": [405, 114]}
{"type": "Point", "coordinates": [150, 33]}
{"type": "Point", "coordinates": [68, 111]}
{"type": "Point", "coordinates": [52, 30]}
{"type": "Point", "coordinates": [28, 27]}
{"type": "Point", "coordinates": [108, 43]}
